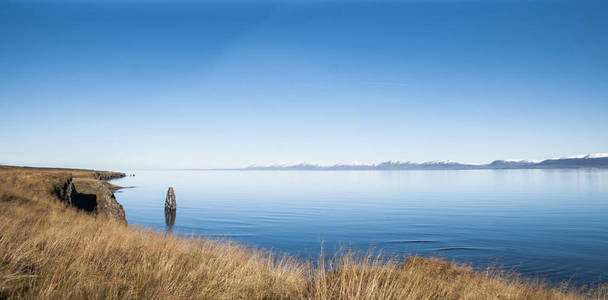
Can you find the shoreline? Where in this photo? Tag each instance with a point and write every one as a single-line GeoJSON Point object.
{"type": "Point", "coordinates": [85, 189]}
{"type": "Point", "coordinates": [68, 249]}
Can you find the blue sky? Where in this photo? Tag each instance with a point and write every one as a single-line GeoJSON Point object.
{"type": "Point", "coordinates": [164, 84]}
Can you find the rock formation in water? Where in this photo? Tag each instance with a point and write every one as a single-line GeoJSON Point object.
{"type": "Point", "coordinates": [169, 218]}
{"type": "Point", "coordinates": [170, 204]}
{"type": "Point", "coordinates": [170, 207]}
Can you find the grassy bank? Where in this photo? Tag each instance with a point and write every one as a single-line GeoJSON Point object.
{"type": "Point", "coordinates": [50, 250]}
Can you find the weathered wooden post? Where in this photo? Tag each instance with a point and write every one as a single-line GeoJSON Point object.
{"type": "Point", "coordinates": [170, 204]}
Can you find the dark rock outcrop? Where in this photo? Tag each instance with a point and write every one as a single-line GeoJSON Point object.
{"type": "Point", "coordinates": [105, 175]}
{"type": "Point", "coordinates": [91, 195]}
{"type": "Point", "coordinates": [105, 202]}
{"type": "Point", "coordinates": [65, 191]}
{"type": "Point", "coordinates": [87, 202]}
{"type": "Point", "coordinates": [170, 203]}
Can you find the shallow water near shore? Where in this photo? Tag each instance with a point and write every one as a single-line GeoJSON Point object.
{"type": "Point", "coordinates": [551, 224]}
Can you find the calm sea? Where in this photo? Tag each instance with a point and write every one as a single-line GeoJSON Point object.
{"type": "Point", "coordinates": [551, 224]}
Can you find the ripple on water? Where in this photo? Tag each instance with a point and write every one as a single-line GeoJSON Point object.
{"type": "Point", "coordinates": [410, 242]}
{"type": "Point", "coordinates": [449, 249]}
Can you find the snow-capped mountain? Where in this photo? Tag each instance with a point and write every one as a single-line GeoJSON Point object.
{"type": "Point", "coordinates": [599, 160]}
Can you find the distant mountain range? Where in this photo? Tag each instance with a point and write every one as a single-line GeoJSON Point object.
{"type": "Point", "coordinates": [580, 161]}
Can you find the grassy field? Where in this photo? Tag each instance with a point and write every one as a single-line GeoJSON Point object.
{"type": "Point", "coordinates": [49, 250]}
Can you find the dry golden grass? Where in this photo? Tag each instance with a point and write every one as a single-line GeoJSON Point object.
{"type": "Point", "coordinates": [48, 250]}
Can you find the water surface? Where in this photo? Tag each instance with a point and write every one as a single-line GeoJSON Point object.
{"type": "Point", "coordinates": [551, 224]}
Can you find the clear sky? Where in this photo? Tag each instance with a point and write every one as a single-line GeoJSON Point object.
{"type": "Point", "coordinates": [169, 84]}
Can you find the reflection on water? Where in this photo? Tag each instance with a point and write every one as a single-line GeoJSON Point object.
{"type": "Point", "coordinates": [547, 223]}
{"type": "Point", "coordinates": [170, 218]}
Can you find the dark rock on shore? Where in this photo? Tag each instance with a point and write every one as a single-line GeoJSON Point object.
{"type": "Point", "coordinates": [65, 192]}
{"type": "Point", "coordinates": [91, 195]}
{"type": "Point", "coordinates": [96, 196]}
{"type": "Point", "coordinates": [105, 175]}
{"type": "Point", "coordinates": [84, 189]}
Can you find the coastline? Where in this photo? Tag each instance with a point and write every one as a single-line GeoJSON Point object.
{"type": "Point", "coordinates": [88, 190]}
{"type": "Point", "coordinates": [51, 250]}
